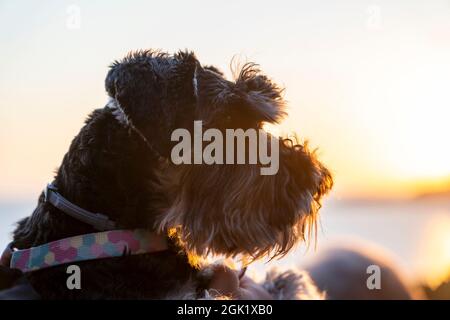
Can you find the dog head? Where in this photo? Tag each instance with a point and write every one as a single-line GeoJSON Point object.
{"type": "Point", "coordinates": [220, 208]}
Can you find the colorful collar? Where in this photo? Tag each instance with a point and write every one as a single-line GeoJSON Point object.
{"type": "Point", "coordinates": [108, 244]}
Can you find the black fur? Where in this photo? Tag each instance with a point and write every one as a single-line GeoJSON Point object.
{"type": "Point", "coordinates": [108, 169]}
{"type": "Point", "coordinates": [115, 169]}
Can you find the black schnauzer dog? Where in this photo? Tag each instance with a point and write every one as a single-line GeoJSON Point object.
{"type": "Point", "coordinates": [120, 165]}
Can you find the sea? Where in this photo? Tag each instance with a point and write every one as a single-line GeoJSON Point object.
{"type": "Point", "coordinates": [415, 233]}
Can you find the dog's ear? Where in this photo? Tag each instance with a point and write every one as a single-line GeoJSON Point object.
{"type": "Point", "coordinates": [251, 99]}
{"type": "Point", "coordinates": [261, 95]}
{"type": "Point", "coordinates": [214, 69]}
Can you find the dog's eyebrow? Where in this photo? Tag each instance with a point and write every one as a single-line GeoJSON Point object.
{"type": "Point", "coordinates": [117, 111]}
{"type": "Point", "coordinates": [195, 83]}
{"type": "Point", "coordinates": [122, 117]}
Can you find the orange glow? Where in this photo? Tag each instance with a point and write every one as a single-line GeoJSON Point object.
{"type": "Point", "coordinates": [434, 254]}
{"type": "Point", "coordinates": [375, 101]}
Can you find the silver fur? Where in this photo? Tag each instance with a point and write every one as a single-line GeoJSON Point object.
{"type": "Point", "coordinates": [287, 285]}
{"type": "Point", "coordinates": [117, 111]}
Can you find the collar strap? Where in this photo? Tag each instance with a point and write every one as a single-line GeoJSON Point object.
{"type": "Point", "coordinates": [84, 247]}
{"type": "Point", "coordinates": [97, 220]}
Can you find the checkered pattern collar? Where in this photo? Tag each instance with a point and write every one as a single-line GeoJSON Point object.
{"type": "Point", "coordinates": [100, 245]}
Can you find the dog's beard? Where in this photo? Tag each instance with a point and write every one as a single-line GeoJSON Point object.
{"type": "Point", "coordinates": [233, 209]}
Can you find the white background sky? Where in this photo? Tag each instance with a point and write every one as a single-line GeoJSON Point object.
{"type": "Point", "coordinates": [367, 81]}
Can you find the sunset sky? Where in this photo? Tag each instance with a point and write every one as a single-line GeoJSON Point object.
{"type": "Point", "coordinates": [368, 82]}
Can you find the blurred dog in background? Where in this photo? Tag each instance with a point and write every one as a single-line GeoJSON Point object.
{"type": "Point", "coordinates": [341, 271]}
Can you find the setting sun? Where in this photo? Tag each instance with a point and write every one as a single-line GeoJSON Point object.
{"type": "Point", "coordinates": [434, 254]}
